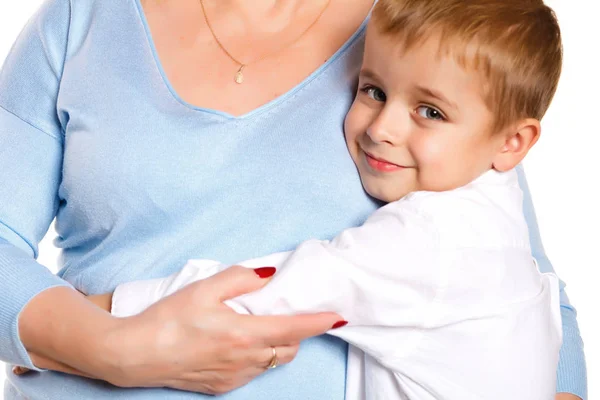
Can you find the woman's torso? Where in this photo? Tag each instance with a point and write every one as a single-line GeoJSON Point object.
{"type": "Point", "coordinates": [150, 180]}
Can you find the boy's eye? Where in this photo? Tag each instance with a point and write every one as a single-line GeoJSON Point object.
{"type": "Point", "coordinates": [430, 113]}
{"type": "Point", "coordinates": [375, 93]}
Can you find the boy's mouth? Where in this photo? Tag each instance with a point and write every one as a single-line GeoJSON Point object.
{"type": "Point", "coordinates": [380, 164]}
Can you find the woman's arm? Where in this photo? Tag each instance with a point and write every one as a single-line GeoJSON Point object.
{"type": "Point", "coordinates": [62, 327]}
{"type": "Point", "coordinates": [103, 302]}
{"type": "Point", "coordinates": [31, 150]}
{"type": "Point", "coordinates": [188, 341]}
{"type": "Point", "coordinates": [572, 373]}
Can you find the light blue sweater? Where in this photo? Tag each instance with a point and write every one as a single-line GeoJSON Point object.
{"type": "Point", "coordinates": [92, 133]}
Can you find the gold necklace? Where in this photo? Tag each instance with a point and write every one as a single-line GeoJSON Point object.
{"type": "Point", "coordinates": [239, 75]}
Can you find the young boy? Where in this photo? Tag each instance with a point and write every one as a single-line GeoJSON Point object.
{"type": "Point", "coordinates": [442, 295]}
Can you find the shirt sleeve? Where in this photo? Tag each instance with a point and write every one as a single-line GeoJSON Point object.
{"type": "Point", "coordinates": [572, 373]}
{"type": "Point", "coordinates": [383, 277]}
{"type": "Point", "coordinates": [131, 298]}
{"type": "Point", "coordinates": [31, 148]}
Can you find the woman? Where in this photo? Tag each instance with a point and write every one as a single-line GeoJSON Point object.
{"type": "Point", "coordinates": [159, 131]}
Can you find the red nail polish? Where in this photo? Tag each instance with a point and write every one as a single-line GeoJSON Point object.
{"type": "Point", "coordinates": [265, 272]}
{"type": "Point", "coordinates": [339, 324]}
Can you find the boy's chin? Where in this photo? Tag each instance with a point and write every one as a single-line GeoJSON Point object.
{"type": "Point", "coordinates": [384, 194]}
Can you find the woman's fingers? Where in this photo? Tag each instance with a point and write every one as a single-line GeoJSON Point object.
{"type": "Point", "coordinates": [279, 330]}
{"type": "Point", "coordinates": [284, 354]}
{"type": "Point", "coordinates": [212, 382]}
{"type": "Point", "coordinates": [236, 281]}
{"type": "Point", "coordinates": [282, 330]}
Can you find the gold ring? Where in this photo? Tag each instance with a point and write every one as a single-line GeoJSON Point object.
{"type": "Point", "coordinates": [274, 361]}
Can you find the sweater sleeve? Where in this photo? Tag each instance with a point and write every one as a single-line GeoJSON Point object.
{"type": "Point", "coordinates": [572, 374]}
{"type": "Point", "coordinates": [31, 148]}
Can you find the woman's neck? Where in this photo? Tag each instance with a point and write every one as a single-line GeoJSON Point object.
{"type": "Point", "coordinates": [253, 8]}
{"type": "Point", "coordinates": [264, 16]}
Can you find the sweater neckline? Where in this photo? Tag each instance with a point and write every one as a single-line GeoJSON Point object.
{"type": "Point", "coordinates": [279, 99]}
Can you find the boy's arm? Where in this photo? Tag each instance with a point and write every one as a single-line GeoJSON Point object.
{"type": "Point", "coordinates": [132, 298]}
{"type": "Point", "coordinates": [381, 277]}
{"type": "Point", "coordinates": [359, 274]}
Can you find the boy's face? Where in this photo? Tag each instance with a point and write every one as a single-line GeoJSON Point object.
{"type": "Point", "coordinates": [419, 121]}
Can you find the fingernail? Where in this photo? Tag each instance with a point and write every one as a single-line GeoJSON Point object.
{"type": "Point", "coordinates": [265, 272]}
{"type": "Point", "coordinates": [339, 324]}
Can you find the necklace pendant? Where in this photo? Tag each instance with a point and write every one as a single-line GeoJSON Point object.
{"type": "Point", "coordinates": [239, 76]}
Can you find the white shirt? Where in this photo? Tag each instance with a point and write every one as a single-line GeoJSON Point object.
{"type": "Point", "coordinates": [442, 294]}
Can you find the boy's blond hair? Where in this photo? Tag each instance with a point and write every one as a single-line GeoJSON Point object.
{"type": "Point", "coordinates": [515, 44]}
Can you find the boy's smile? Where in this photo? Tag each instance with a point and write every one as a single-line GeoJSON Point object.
{"type": "Point", "coordinates": [419, 120]}
{"type": "Point", "coordinates": [380, 164]}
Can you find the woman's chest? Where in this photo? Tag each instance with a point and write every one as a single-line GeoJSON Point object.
{"type": "Point", "coordinates": [201, 63]}
{"type": "Point", "coordinates": [131, 148]}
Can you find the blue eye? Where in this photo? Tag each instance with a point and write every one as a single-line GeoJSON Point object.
{"type": "Point", "coordinates": [375, 93]}
{"type": "Point", "coordinates": [428, 112]}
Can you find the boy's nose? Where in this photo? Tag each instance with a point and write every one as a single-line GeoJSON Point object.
{"type": "Point", "coordinates": [388, 128]}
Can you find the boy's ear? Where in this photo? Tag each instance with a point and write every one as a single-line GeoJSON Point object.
{"type": "Point", "coordinates": [515, 143]}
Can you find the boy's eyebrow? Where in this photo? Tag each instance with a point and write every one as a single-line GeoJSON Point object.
{"type": "Point", "coordinates": [367, 73]}
{"type": "Point", "coordinates": [436, 95]}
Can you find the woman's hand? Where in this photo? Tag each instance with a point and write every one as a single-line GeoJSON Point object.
{"type": "Point", "coordinates": [189, 340]}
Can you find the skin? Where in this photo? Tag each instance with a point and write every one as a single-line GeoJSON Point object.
{"type": "Point", "coordinates": [64, 331]}
{"type": "Point", "coordinates": [202, 74]}
{"type": "Point", "coordinates": [155, 340]}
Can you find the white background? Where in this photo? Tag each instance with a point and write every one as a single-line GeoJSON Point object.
{"type": "Point", "coordinates": [562, 167]}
